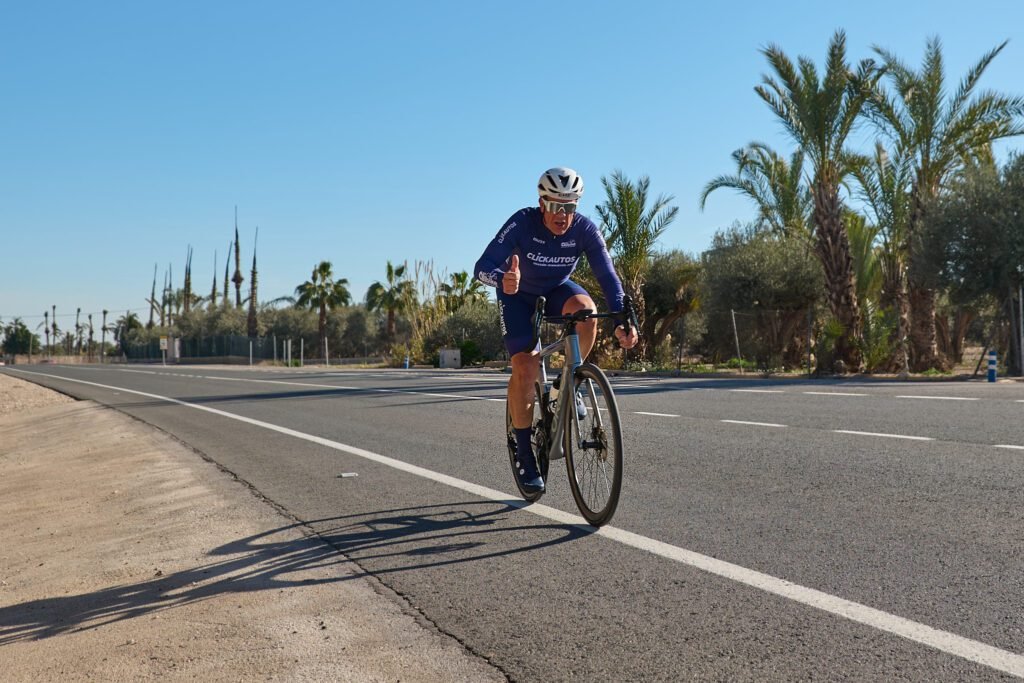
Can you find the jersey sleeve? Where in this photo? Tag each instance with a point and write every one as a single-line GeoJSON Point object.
{"type": "Point", "coordinates": [601, 265]}
{"type": "Point", "coordinates": [490, 267]}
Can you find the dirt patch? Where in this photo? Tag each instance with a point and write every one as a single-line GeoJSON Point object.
{"type": "Point", "coordinates": [125, 556]}
{"type": "Point", "coordinates": [17, 395]}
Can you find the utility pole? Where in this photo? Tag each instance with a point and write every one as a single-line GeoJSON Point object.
{"type": "Point", "coordinates": [103, 336]}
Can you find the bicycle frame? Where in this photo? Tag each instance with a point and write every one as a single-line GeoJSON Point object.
{"type": "Point", "coordinates": [569, 343]}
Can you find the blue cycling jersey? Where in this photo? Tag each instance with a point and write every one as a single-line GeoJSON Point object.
{"type": "Point", "coordinates": [547, 260]}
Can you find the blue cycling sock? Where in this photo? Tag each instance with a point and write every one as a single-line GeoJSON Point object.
{"type": "Point", "coordinates": [523, 444]}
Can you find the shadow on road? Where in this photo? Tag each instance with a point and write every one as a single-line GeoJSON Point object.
{"type": "Point", "coordinates": [374, 543]}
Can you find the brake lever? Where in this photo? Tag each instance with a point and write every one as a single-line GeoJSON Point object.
{"type": "Point", "coordinates": [631, 320]}
{"type": "Point", "coordinates": [538, 319]}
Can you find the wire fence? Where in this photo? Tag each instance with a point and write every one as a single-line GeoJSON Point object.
{"type": "Point", "coordinates": [234, 349]}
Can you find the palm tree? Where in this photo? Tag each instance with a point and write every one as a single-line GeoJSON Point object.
{"type": "Point", "coordinates": [672, 291]}
{"type": "Point", "coordinates": [819, 114]}
{"type": "Point", "coordinates": [461, 291]}
{"type": "Point", "coordinates": [322, 292]}
{"type": "Point", "coordinates": [884, 182]}
{"type": "Point", "coordinates": [103, 335]}
{"type": "Point", "coordinates": [125, 326]}
{"type": "Point", "coordinates": [941, 133]}
{"type": "Point", "coordinates": [238, 278]}
{"type": "Point", "coordinates": [867, 267]}
{"type": "Point", "coordinates": [188, 297]}
{"type": "Point", "coordinates": [78, 332]}
{"type": "Point", "coordinates": [775, 185]}
{"type": "Point", "coordinates": [398, 295]}
{"type": "Point", "coordinates": [251, 321]}
{"type": "Point", "coordinates": [632, 229]}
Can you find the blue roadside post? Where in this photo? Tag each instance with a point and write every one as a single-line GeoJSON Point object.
{"type": "Point", "coordinates": [992, 366]}
{"type": "Point", "coordinates": [407, 362]}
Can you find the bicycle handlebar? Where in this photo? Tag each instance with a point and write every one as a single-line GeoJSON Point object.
{"type": "Point", "coordinates": [584, 314]}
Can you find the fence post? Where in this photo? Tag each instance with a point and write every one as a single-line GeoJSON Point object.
{"type": "Point", "coordinates": [736, 335]}
{"type": "Point", "coordinates": [274, 344]}
{"type": "Point", "coordinates": [250, 353]}
{"type": "Point", "coordinates": [302, 352]}
{"type": "Point", "coordinates": [327, 352]}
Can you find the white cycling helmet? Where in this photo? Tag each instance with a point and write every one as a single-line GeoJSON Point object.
{"type": "Point", "coordinates": [561, 183]}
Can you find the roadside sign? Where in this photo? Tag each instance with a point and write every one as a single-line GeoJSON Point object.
{"type": "Point", "coordinates": [163, 343]}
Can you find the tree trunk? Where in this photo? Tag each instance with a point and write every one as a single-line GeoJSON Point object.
{"type": "Point", "coordinates": [924, 350]}
{"type": "Point", "coordinates": [833, 249]}
{"type": "Point", "coordinates": [901, 351]}
{"type": "Point", "coordinates": [322, 325]}
{"type": "Point", "coordinates": [962, 321]}
{"type": "Point", "coordinates": [924, 347]}
{"type": "Point", "coordinates": [1012, 359]}
{"type": "Point", "coordinates": [660, 331]}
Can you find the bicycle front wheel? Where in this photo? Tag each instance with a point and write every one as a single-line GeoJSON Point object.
{"type": "Point", "coordinates": [593, 446]}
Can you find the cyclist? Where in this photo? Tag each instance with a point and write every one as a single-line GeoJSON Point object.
{"type": "Point", "coordinates": [533, 255]}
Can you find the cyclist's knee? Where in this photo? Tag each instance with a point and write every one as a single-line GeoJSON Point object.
{"type": "Point", "coordinates": [578, 302]}
{"type": "Point", "coordinates": [525, 366]}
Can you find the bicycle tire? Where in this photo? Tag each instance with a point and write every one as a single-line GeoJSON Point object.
{"type": "Point", "coordinates": [541, 427]}
{"type": "Point", "coordinates": [593, 449]}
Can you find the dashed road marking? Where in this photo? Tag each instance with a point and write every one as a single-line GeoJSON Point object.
{"type": "Point", "coordinates": [942, 398]}
{"type": "Point", "coordinates": [756, 424]}
{"type": "Point", "coordinates": [889, 436]}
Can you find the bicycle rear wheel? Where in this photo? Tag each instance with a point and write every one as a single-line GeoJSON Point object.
{"type": "Point", "coordinates": [593, 446]}
{"type": "Point", "coordinates": [541, 425]}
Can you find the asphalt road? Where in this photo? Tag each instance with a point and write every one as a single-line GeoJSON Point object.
{"type": "Point", "coordinates": [768, 529]}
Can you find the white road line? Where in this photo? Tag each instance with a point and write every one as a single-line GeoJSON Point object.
{"type": "Point", "coordinates": [944, 641]}
{"type": "Point", "coordinates": [1003, 445]}
{"type": "Point", "coordinates": [641, 412]}
{"type": "Point", "coordinates": [890, 436]}
{"type": "Point", "coordinates": [756, 424]}
{"type": "Point", "coordinates": [340, 387]}
{"type": "Point", "coordinates": [831, 393]}
{"type": "Point", "coordinates": [759, 391]}
{"type": "Point", "coordinates": [942, 398]}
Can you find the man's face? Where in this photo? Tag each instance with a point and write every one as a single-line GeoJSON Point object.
{"type": "Point", "coordinates": [558, 214]}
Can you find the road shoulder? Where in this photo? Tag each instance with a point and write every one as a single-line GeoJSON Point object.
{"type": "Point", "coordinates": [126, 556]}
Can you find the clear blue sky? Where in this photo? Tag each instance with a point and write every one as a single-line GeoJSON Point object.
{"type": "Point", "coordinates": [362, 132]}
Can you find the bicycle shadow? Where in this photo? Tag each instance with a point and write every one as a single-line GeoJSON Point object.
{"type": "Point", "coordinates": [400, 540]}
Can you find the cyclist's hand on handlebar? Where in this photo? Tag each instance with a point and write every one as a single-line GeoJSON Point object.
{"type": "Point", "coordinates": [626, 341]}
{"type": "Point", "coordinates": [510, 281]}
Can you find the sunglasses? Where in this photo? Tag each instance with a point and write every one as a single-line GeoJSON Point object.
{"type": "Point", "coordinates": [559, 207]}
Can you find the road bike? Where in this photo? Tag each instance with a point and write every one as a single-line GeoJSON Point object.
{"type": "Point", "coordinates": [585, 429]}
